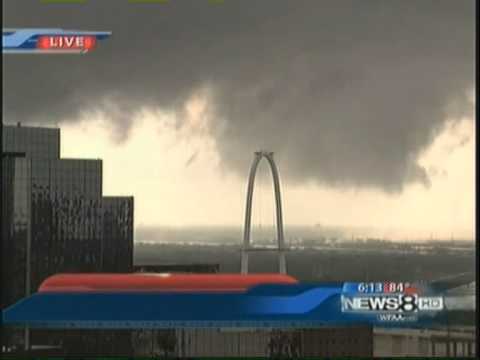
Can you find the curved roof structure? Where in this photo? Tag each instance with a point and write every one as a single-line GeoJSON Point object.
{"type": "Point", "coordinates": [147, 282]}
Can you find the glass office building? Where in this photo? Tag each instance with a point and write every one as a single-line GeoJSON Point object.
{"type": "Point", "coordinates": [33, 141]}
{"type": "Point", "coordinates": [15, 226]}
{"type": "Point", "coordinates": [54, 217]}
{"type": "Point", "coordinates": [117, 225]}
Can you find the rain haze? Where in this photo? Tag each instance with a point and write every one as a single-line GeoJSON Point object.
{"type": "Point", "coordinates": [367, 105]}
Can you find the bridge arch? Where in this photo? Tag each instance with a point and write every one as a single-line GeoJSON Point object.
{"type": "Point", "coordinates": [278, 210]}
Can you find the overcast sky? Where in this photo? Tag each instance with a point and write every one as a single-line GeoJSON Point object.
{"type": "Point", "coordinates": [368, 106]}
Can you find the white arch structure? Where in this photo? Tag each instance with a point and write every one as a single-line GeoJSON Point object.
{"type": "Point", "coordinates": [248, 213]}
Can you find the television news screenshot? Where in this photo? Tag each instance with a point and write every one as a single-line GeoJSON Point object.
{"type": "Point", "coordinates": [198, 179]}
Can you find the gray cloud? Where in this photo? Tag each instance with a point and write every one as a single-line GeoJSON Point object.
{"type": "Point", "coordinates": [347, 93]}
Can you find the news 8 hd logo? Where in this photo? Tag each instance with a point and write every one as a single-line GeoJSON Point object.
{"type": "Point", "coordinates": [405, 300]}
{"type": "Point", "coordinates": [50, 41]}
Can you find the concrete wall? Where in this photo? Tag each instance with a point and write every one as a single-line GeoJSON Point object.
{"type": "Point", "coordinates": [337, 342]}
{"type": "Point", "coordinates": [349, 341]}
{"type": "Point", "coordinates": [326, 342]}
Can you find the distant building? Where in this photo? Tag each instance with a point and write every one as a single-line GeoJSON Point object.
{"type": "Point", "coordinates": [178, 268]}
{"type": "Point", "coordinates": [54, 218]}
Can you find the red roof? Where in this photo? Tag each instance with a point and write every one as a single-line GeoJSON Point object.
{"type": "Point", "coordinates": [159, 282]}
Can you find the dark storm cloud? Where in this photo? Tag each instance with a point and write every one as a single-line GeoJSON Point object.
{"type": "Point", "coordinates": [347, 93]}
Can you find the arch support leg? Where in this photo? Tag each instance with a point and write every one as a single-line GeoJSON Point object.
{"type": "Point", "coordinates": [248, 213]}
{"type": "Point", "coordinates": [244, 264]}
{"type": "Point", "coordinates": [282, 262]}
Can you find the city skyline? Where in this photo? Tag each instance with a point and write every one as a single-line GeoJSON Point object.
{"type": "Point", "coordinates": [75, 145]}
